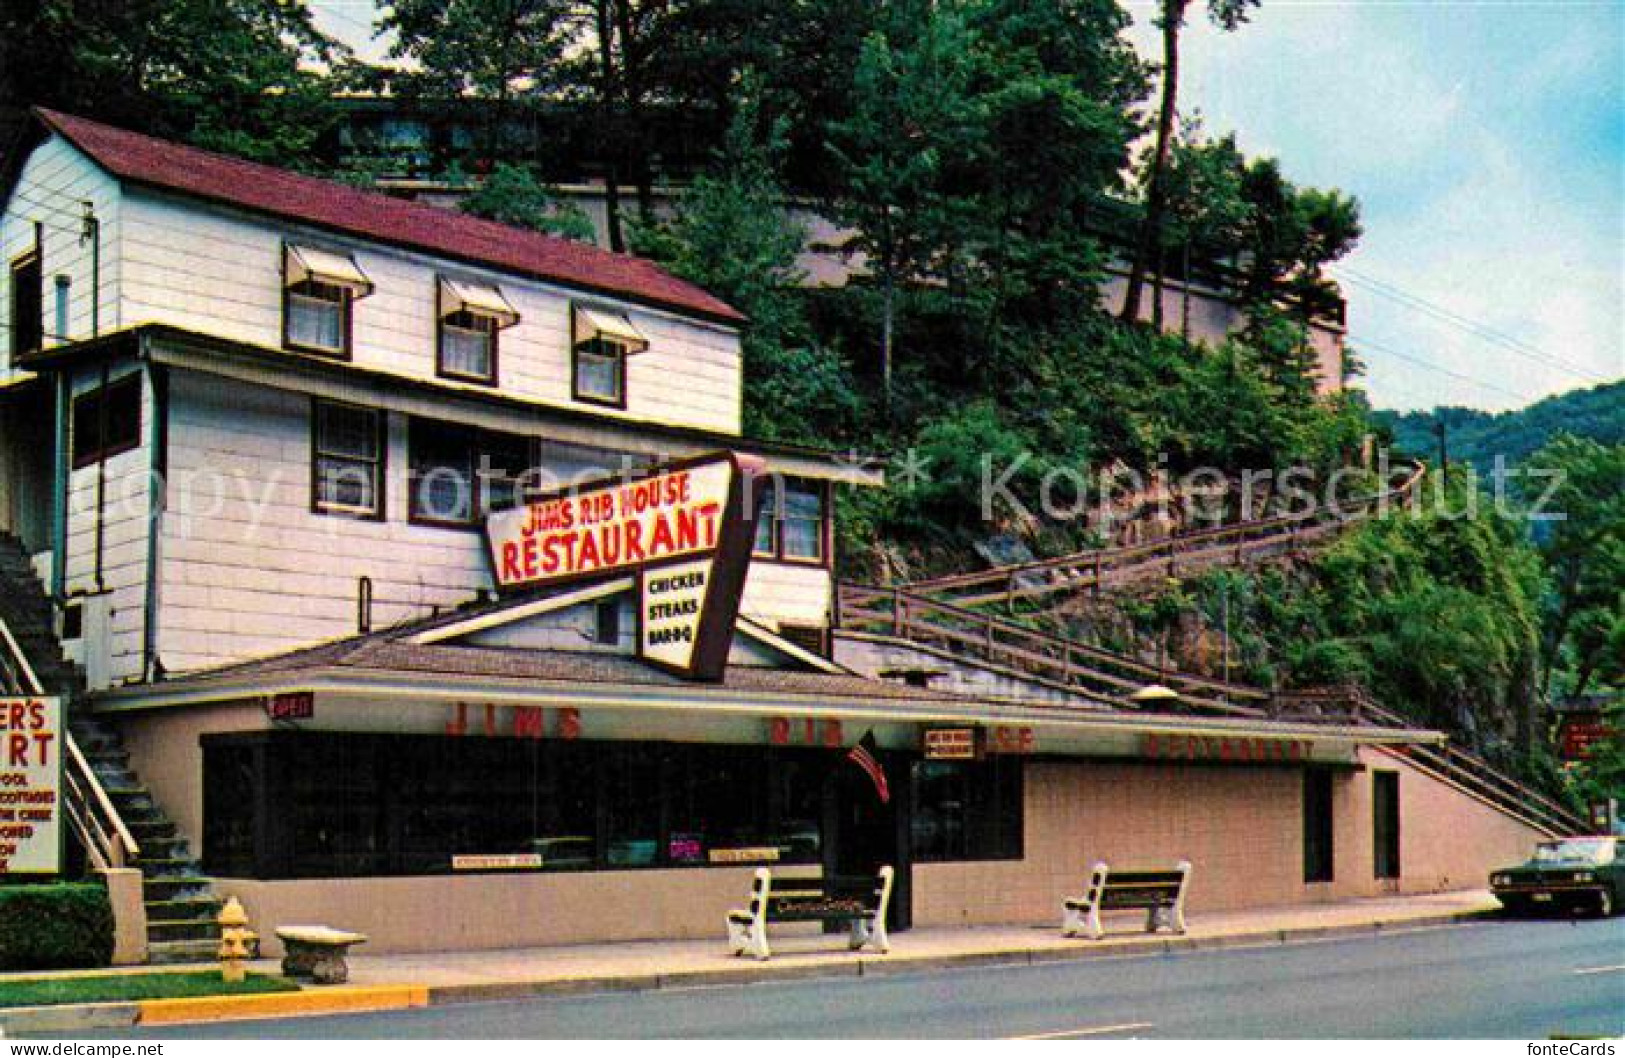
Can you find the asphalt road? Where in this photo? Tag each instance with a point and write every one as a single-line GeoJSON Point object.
{"type": "Point", "coordinates": [1494, 979]}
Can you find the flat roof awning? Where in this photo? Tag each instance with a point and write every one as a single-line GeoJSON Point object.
{"type": "Point", "coordinates": [604, 323]}
{"type": "Point", "coordinates": [458, 295]}
{"type": "Point", "coordinates": [306, 263]}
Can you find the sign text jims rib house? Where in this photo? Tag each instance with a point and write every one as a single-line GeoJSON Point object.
{"type": "Point", "coordinates": [684, 529]}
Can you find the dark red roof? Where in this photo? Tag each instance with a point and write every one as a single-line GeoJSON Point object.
{"type": "Point", "coordinates": [265, 189]}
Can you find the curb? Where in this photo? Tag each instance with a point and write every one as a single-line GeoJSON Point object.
{"type": "Point", "coordinates": [68, 1020]}
{"type": "Point", "coordinates": [282, 1004]}
{"type": "Point", "coordinates": [72, 1019]}
{"type": "Point", "coordinates": [873, 966]}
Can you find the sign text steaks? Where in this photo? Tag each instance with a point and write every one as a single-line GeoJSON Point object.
{"type": "Point", "coordinates": [685, 529]}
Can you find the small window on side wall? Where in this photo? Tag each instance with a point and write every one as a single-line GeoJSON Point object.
{"type": "Point", "coordinates": [318, 295]}
{"type": "Point", "coordinates": [347, 460]}
{"type": "Point", "coordinates": [471, 317]}
{"type": "Point", "coordinates": [790, 527]}
{"type": "Point", "coordinates": [601, 341]}
{"type": "Point", "coordinates": [27, 304]}
{"type": "Point", "coordinates": [106, 421]}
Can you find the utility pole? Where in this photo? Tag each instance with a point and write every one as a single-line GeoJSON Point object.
{"type": "Point", "coordinates": [1440, 431]}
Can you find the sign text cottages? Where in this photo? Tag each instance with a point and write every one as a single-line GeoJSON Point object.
{"type": "Point", "coordinates": [684, 530]}
{"type": "Point", "coordinates": [30, 786]}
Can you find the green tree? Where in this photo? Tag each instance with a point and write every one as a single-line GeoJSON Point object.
{"type": "Point", "coordinates": [512, 195]}
{"type": "Point", "coordinates": [1583, 544]}
{"type": "Point", "coordinates": [1228, 15]}
{"type": "Point", "coordinates": [732, 234]}
{"type": "Point", "coordinates": [1205, 209]}
{"type": "Point", "coordinates": [249, 77]}
{"type": "Point", "coordinates": [1289, 235]}
{"type": "Point", "coordinates": [913, 122]}
{"type": "Point", "coordinates": [503, 53]}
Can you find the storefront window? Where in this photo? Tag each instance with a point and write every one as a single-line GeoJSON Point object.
{"type": "Point", "coordinates": [631, 789]}
{"type": "Point", "coordinates": [967, 810]}
{"type": "Point", "coordinates": [332, 805]}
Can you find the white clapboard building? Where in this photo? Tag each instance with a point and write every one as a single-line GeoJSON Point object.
{"type": "Point", "coordinates": [253, 428]}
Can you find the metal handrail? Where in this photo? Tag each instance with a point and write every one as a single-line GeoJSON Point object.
{"type": "Point", "coordinates": [107, 840]}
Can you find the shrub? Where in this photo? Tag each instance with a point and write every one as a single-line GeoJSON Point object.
{"type": "Point", "coordinates": [51, 927]}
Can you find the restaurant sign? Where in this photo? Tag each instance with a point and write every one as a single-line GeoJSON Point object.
{"type": "Point", "coordinates": [682, 530]}
{"type": "Point", "coordinates": [1580, 734]}
{"type": "Point", "coordinates": [30, 786]}
{"type": "Point", "coordinates": [1226, 748]}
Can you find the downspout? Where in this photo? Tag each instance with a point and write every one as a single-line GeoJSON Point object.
{"type": "Point", "coordinates": [59, 493]}
{"type": "Point", "coordinates": [91, 232]}
{"type": "Point", "coordinates": [101, 474]}
{"type": "Point", "coordinates": [158, 498]}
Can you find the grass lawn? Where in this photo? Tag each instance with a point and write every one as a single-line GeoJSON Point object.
{"type": "Point", "coordinates": [120, 988]}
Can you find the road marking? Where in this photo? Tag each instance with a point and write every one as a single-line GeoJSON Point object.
{"type": "Point", "coordinates": [1600, 970]}
{"type": "Point", "coordinates": [1098, 1030]}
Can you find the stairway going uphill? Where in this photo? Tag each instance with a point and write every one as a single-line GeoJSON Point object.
{"type": "Point", "coordinates": [180, 902]}
{"type": "Point", "coordinates": [1111, 567]}
{"type": "Point", "coordinates": [951, 618]}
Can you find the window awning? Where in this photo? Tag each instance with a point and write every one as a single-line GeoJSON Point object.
{"type": "Point", "coordinates": [610, 325]}
{"type": "Point", "coordinates": [457, 295]}
{"type": "Point", "coordinates": [323, 266]}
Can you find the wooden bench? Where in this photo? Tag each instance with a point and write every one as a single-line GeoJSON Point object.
{"type": "Point", "coordinates": [317, 952]}
{"type": "Point", "coordinates": [1159, 893]}
{"type": "Point", "coordinates": [859, 902]}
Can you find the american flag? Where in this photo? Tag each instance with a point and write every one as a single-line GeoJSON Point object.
{"type": "Point", "coordinates": [863, 755]}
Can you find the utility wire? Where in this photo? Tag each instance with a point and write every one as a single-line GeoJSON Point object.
{"type": "Point", "coordinates": [1464, 323]}
{"type": "Point", "coordinates": [1368, 344]}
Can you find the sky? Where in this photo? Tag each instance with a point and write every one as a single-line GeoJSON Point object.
{"type": "Point", "coordinates": [1485, 140]}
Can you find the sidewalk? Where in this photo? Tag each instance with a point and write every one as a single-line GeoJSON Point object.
{"type": "Point", "coordinates": [396, 981]}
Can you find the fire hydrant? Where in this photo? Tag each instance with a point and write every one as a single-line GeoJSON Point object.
{"type": "Point", "coordinates": [235, 941]}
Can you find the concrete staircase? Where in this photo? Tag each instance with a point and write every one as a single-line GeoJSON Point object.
{"type": "Point", "coordinates": [180, 902]}
{"type": "Point", "coordinates": [181, 905]}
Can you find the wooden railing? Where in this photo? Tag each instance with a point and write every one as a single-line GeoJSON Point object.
{"type": "Point", "coordinates": [106, 840]}
{"type": "Point", "coordinates": [1095, 569]}
{"type": "Point", "coordinates": [1111, 678]}
{"type": "Point", "coordinates": [1448, 762]}
{"type": "Point", "coordinates": [1030, 653]}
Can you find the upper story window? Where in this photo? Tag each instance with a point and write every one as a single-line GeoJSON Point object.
{"type": "Point", "coordinates": [471, 315]}
{"type": "Point", "coordinates": [791, 524]}
{"type": "Point", "coordinates": [319, 292]}
{"type": "Point", "coordinates": [27, 304]}
{"type": "Point", "coordinates": [459, 475]}
{"type": "Point", "coordinates": [601, 340]}
{"type": "Point", "coordinates": [347, 460]}
{"type": "Point", "coordinates": [106, 421]}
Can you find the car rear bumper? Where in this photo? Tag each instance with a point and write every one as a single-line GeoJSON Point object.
{"type": "Point", "coordinates": [1534, 897]}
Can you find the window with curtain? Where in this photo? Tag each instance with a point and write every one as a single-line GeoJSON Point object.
{"type": "Point", "coordinates": [790, 526]}
{"type": "Point", "coordinates": [468, 346]}
{"type": "Point", "coordinates": [348, 459]}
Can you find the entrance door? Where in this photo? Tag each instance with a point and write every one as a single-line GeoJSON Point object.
{"type": "Point", "coordinates": [1385, 824]}
{"type": "Point", "coordinates": [861, 834]}
{"type": "Point", "coordinates": [26, 447]}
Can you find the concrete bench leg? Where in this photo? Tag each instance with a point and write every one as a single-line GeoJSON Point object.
{"type": "Point", "coordinates": [869, 931]}
{"type": "Point", "coordinates": [324, 965]}
{"type": "Point", "coordinates": [749, 937]}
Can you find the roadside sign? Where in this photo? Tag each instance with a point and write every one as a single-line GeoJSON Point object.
{"type": "Point", "coordinates": [30, 786]}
